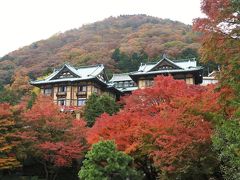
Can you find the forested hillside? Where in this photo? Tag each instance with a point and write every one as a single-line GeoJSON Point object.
{"type": "Point", "coordinates": [135, 36]}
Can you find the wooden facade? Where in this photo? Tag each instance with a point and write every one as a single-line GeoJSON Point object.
{"type": "Point", "coordinates": [180, 70]}
{"type": "Point", "coordinates": [185, 69]}
{"type": "Point", "coordinates": [70, 87]}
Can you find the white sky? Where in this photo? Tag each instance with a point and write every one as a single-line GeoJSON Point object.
{"type": "Point", "coordinates": [23, 22]}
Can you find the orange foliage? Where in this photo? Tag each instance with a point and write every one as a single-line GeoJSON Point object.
{"type": "Point", "coordinates": [168, 123]}
{"type": "Point", "coordinates": [220, 44]}
{"type": "Point", "coordinates": [21, 81]}
{"type": "Point", "coordinates": [7, 157]}
{"type": "Point", "coordinates": [94, 43]}
{"type": "Point", "coordinates": [56, 136]}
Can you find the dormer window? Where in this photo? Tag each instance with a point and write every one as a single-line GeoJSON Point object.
{"type": "Point", "coordinates": [66, 75]}
{"type": "Point", "coordinates": [100, 76]}
{"type": "Point", "coordinates": [165, 67]}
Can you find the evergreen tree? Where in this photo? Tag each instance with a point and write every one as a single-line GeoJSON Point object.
{"type": "Point", "coordinates": [116, 55]}
{"type": "Point", "coordinates": [105, 162]}
{"type": "Point", "coordinates": [32, 100]}
{"type": "Point", "coordinates": [128, 63]}
{"type": "Point", "coordinates": [226, 142]}
{"type": "Point", "coordinates": [9, 96]}
{"type": "Point", "coordinates": [96, 105]}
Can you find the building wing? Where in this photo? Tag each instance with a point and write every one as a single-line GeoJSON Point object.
{"type": "Point", "coordinates": [166, 65]}
{"type": "Point", "coordinates": [70, 73]}
{"type": "Point", "coordinates": [180, 69]}
{"type": "Point", "coordinates": [123, 82]}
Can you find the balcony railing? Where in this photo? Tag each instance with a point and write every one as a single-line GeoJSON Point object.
{"type": "Point", "coordinates": [81, 93]}
{"type": "Point", "coordinates": [61, 93]}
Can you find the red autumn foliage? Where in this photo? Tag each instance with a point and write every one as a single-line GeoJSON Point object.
{"type": "Point", "coordinates": [220, 44]}
{"type": "Point", "coordinates": [94, 44]}
{"type": "Point", "coordinates": [53, 136]}
{"type": "Point", "coordinates": [220, 31]}
{"type": "Point", "coordinates": [169, 123]}
{"type": "Point", "coordinates": [4, 110]}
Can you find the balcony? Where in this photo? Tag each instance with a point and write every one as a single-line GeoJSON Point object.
{"type": "Point", "coordinates": [61, 93]}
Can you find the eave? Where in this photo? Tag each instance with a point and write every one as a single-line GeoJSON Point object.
{"type": "Point", "coordinates": [138, 74]}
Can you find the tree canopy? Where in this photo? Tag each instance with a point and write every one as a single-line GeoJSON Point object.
{"type": "Point", "coordinates": [165, 128]}
{"type": "Point", "coordinates": [221, 44]}
{"type": "Point", "coordinates": [53, 138]}
{"type": "Point", "coordinates": [7, 127]}
{"type": "Point", "coordinates": [97, 105]}
{"type": "Point", "coordinates": [105, 162]}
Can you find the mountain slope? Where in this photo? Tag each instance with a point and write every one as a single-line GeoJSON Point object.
{"type": "Point", "coordinates": [95, 43]}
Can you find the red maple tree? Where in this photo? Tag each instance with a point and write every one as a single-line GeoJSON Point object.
{"type": "Point", "coordinates": [167, 126]}
{"type": "Point", "coordinates": [52, 137]}
{"type": "Point", "coordinates": [220, 34]}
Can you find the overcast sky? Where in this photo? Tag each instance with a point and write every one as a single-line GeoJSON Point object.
{"type": "Point", "coordinates": [27, 21]}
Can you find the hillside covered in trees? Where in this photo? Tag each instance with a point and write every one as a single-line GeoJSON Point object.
{"type": "Point", "coordinates": [134, 37]}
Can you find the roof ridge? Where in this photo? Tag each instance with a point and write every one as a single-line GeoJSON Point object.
{"type": "Point", "coordinates": [186, 59]}
{"type": "Point", "coordinates": [87, 66]}
{"type": "Point", "coordinates": [148, 63]}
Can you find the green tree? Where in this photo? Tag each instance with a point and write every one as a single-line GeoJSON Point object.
{"type": "Point", "coordinates": [32, 100]}
{"type": "Point", "coordinates": [9, 96]}
{"type": "Point", "coordinates": [128, 63]}
{"type": "Point", "coordinates": [226, 142]}
{"type": "Point", "coordinates": [189, 53]}
{"type": "Point", "coordinates": [105, 162]}
{"type": "Point", "coordinates": [97, 105]}
{"type": "Point", "coordinates": [116, 55]}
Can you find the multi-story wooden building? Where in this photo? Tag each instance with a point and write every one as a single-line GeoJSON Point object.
{"type": "Point", "coordinates": [70, 87]}
{"type": "Point", "coordinates": [185, 69]}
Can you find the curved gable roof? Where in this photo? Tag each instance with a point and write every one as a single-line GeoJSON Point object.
{"type": "Point", "coordinates": [72, 74]}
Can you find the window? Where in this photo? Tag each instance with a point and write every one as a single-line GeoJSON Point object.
{"type": "Point", "coordinates": [117, 84]}
{"type": "Point", "coordinates": [100, 76]}
{"type": "Point", "coordinates": [82, 88]}
{"type": "Point", "coordinates": [120, 84]}
{"type": "Point", "coordinates": [95, 90]}
{"type": "Point", "coordinates": [62, 102]}
{"type": "Point", "coordinates": [66, 75]}
{"type": "Point", "coordinates": [189, 81]}
{"type": "Point", "coordinates": [148, 83]}
{"type": "Point", "coordinates": [131, 84]}
{"type": "Point", "coordinates": [81, 101]}
{"type": "Point", "coordinates": [126, 84]}
{"type": "Point", "coordinates": [47, 91]}
{"type": "Point", "coordinates": [62, 89]}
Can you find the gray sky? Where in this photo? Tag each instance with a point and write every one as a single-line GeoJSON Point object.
{"type": "Point", "coordinates": [25, 21]}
